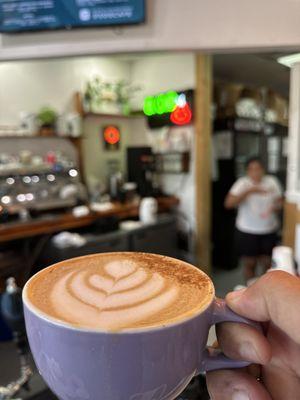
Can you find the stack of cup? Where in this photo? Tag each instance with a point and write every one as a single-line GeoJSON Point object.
{"type": "Point", "coordinates": [283, 260]}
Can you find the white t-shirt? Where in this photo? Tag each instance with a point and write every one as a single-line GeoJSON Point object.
{"type": "Point", "coordinates": [254, 214]}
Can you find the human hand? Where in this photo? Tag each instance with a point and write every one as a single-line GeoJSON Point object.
{"type": "Point", "coordinates": [274, 300]}
{"type": "Point", "coordinates": [274, 208]}
{"type": "Point", "coordinates": [268, 212]}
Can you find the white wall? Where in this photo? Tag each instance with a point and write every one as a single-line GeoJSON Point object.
{"type": "Point", "coordinates": [174, 24]}
{"type": "Point", "coordinates": [162, 72]}
{"type": "Point", "coordinates": [29, 85]}
{"type": "Point", "coordinates": [96, 158]}
{"type": "Point", "coordinates": [157, 74]}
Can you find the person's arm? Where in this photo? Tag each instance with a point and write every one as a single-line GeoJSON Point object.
{"type": "Point", "coordinates": [278, 204]}
{"type": "Point", "coordinates": [274, 208]}
{"type": "Point", "coordinates": [275, 301]}
{"type": "Point", "coordinates": [233, 200]}
{"type": "Point", "coordinates": [278, 199]}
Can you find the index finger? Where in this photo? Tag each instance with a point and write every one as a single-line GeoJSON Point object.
{"type": "Point", "coordinates": [274, 297]}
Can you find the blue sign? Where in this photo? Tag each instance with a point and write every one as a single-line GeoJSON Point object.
{"type": "Point", "coordinates": [34, 15]}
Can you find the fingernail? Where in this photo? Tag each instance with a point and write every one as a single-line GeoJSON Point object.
{"type": "Point", "coordinates": [248, 352]}
{"type": "Point", "coordinates": [240, 396]}
{"type": "Point", "coordinates": [235, 296]}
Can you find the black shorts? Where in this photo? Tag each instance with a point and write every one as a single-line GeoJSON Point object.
{"type": "Point", "coordinates": [254, 245]}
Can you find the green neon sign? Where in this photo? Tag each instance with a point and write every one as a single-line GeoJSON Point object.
{"type": "Point", "coordinates": [160, 104]}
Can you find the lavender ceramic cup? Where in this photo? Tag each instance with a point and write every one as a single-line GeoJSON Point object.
{"type": "Point", "coordinates": [144, 364]}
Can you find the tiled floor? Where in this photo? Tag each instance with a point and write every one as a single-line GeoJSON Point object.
{"type": "Point", "coordinates": [225, 281]}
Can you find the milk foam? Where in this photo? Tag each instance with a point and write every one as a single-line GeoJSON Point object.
{"type": "Point", "coordinates": [120, 291]}
{"type": "Point", "coordinates": [119, 295]}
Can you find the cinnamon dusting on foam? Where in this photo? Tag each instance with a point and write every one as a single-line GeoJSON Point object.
{"type": "Point", "coordinates": [118, 291]}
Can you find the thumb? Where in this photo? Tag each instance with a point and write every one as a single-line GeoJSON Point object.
{"type": "Point", "coordinates": [274, 297]}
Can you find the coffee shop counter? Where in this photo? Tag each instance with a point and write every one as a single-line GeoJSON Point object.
{"type": "Point", "coordinates": [55, 223]}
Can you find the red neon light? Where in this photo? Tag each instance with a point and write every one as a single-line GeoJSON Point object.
{"type": "Point", "coordinates": [181, 116]}
{"type": "Point", "coordinates": [112, 135]}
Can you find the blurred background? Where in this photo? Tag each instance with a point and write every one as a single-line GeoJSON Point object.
{"type": "Point", "coordinates": [112, 140]}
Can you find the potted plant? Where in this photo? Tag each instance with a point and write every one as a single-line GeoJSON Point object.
{"type": "Point", "coordinates": [47, 118]}
{"type": "Point", "coordinates": [124, 92]}
{"type": "Point", "coordinates": [92, 95]}
{"type": "Point", "coordinates": [108, 97]}
{"type": "Point", "coordinates": [100, 97]}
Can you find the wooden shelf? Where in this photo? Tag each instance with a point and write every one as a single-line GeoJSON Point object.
{"type": "Point", "coordinates": [19, 136]}
{"type": "Point", "coordinates": [43, 226]}
{"type": "Point", "coordinates": [78, 103]}
{"type": "Point", "coordinates": [241, 124]}
{"type": "Point", "coordinates": [183, 157]}
{"type": "Point", "coordinates": [172, 152]}
{"type": "Point", "coordinates": [115, 116]}
{"type": "Point", "coordinates": [38, 137]}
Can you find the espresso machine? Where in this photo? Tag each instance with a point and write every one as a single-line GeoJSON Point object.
{"type": "Point", "coordinates": [35, 181]}
{"type": "Point", "coordinates": [44, 189]}
{"type": "Point", "coordinates": [141, 169]}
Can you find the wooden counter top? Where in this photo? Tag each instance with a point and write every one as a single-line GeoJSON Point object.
{"type": "Point", "coordinates": [56, 223]}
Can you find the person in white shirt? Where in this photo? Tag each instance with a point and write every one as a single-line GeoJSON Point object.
{"type": "Point", "coordinates": [258, 198]}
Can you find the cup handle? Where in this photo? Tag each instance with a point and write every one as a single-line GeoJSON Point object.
{"type": "Point", "coordinates": [214, 359]}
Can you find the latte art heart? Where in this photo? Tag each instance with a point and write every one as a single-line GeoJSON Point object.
{"type": "Point", "coordinates": [112, 300]}
{"type": "Point", "coordinates": [118, 291]}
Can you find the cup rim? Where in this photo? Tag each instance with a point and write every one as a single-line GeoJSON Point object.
{"type": "Point", "coordinates": [57, 322]}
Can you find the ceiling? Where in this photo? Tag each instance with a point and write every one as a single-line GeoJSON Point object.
{"type": "Point", "coordinates": [254, 70]}
{"type": "Point", "coordinates": [258, 70]}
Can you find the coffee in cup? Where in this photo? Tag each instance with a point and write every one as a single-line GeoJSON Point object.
{"type": "Point", "coordinates": [117, 291]}
{"type": "Point", "coordinates": [126, 326]}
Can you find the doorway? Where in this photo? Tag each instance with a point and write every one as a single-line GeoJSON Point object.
{"type": "Point", "coordinates": [250, 106]}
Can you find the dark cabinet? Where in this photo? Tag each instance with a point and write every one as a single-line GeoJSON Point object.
{"type": "Point", "coordinates": [159, 238]}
